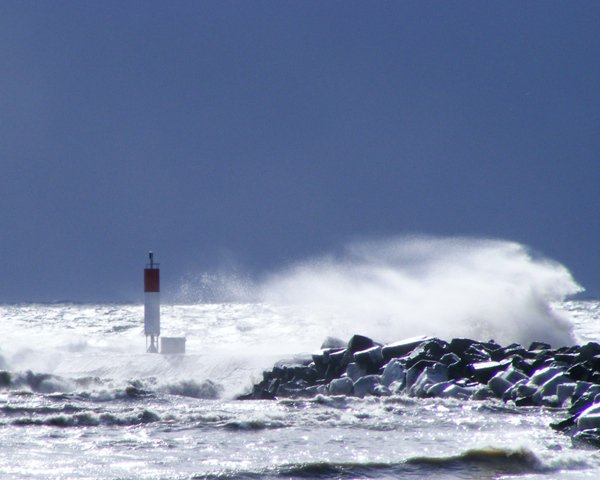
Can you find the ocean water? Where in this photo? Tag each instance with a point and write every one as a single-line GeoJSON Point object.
{"type": "Point", "coordinates": [85, 401]}
{"type": "Point", "coordinates": [81, 399]}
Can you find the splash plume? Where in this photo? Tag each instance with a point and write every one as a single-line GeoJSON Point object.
{"type": "Point", "coordinates": [447, 287]}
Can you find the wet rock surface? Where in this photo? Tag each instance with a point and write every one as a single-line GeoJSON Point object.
{"type": "Point", "coordinates": [566, 377]}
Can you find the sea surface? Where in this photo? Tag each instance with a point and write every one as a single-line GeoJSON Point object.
{"type": "Point", "coordinates": [81, 399]}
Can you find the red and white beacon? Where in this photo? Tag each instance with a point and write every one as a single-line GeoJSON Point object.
{"type": "Point", "coordinates": [152, 304]}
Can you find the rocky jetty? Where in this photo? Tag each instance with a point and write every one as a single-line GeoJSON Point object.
{"type": "Point", "coordinates": [566, 377]}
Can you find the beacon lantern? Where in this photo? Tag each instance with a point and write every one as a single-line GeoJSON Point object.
{"type": "Point", "coordinates": [152, 304]}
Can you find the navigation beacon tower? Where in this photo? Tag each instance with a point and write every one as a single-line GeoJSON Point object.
{"type": "Point", "coordinates": [152, 304]}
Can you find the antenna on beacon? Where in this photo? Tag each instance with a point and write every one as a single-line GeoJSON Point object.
{"type": "Point", "coordinates": [152, 304]}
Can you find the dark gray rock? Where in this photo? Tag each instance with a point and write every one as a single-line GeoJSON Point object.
{"type": "Point", "coordinates": [291, 389]}
{"type": "Point", "coordinates": [542, 375]}
{"type": "Point", "coordinates": [491, 346]}
{"type": "Point", "coordinates": [370, 359]}
{"type": "Point", "coordinates": [567, 359]}
{"type": "Point", "coordinates": [522, 364]}
{"type": "Point", "coordinates": [589, 437]}
{"type": "Point", "coordinates": [504, 382]}
{"type": "Point", "coordinates": [437, 373]}
{"type": "Point", "coordinates": [354, 372]}
{"type": "Point", "coordinates": [565, 391]}
{"type": "Point", "coordinates": [585, 400]}
{"type": "Point", "coordinates": [450, 359]}
{"type": "Point", "coordinates": [457, 391]}
{"type": "Point", "coordinates": [482, 372]}
{"type": "Point", "coordinates": [499, 385]}
{"type": "Point", "coordinates": [319, 362]}
{"type": "Point", "coordinates": [483, 393]}
{"type": "Point", "coordinates": [589, 418]}
{"type": "Point", "coordinates": [542, 361]}
{"type": "Point", "coordinates": [580, 388]}
{"type": "Point", "coordinates": [594, 363]}
{"type": "Point", "coordinates": [338, 361]}
{"type": "Point", "coordinates": [273, 386]}
{"type": "Point", "coordinates": [520, 389]}
{"type": "Point", "coordinates": [550, 387]}
{"type": "Point", "coordinates": [474, 354]}
{"type": "Point", "coordinates": [525, 401]}
{"type": "Point", "coordinates": [433, 350]}
{"type": "Point", "coordinates": [366, 385]}
{"type": "Point", "coordinates": [463, 369]}
{"type": "Point", "coordinates": [460, 345]}
{"type": "Point", "coordinates": [402, 347]}
{"type": "Point", "coordinates": [341, 386]}
{"type": "Point", "coordinates": [565, 425]}
{"type": "Point", "coordinates": [321, 358]}
{"type": "Point", "coordinates": [503, 353]}
{"type": "Point", "coordinates": [539, 346]}
{"type": "Point", "coordinates": [413, 372]}
{"type": "Point", "coordinates": [436, 389]}
{"type": "Point", "coordinates": [436, 348]}
{"type": "Point", "coordinates": [257, 395]}
{"type": "Point", "coordinates": [588, 351]}
{"type": "Point", "coordinates": [358, 343]}
{"type": "Point", "coordinates": [308, 374]}
{"type": "Point", "coordinates": [394, 371]}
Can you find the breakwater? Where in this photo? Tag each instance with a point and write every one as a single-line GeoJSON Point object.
{"type": "Point", "coordinates": [465, 369]}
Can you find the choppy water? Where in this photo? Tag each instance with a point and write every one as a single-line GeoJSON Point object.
{"type": "Point", "coordinates": [81, 399]}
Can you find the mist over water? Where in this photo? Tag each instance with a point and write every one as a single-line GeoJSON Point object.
{"type": "Point", "coordinates": [446, 287]}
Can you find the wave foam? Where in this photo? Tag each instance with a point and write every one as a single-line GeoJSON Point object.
{"type": "Point", "coordinates": [446, 287]}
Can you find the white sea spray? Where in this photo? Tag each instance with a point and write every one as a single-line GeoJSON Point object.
{"type": "Point", "coordinates": [446, 287]}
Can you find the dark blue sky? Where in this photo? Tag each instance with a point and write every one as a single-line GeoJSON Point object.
{"type": "Point", "coordinates": [259, 132]}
